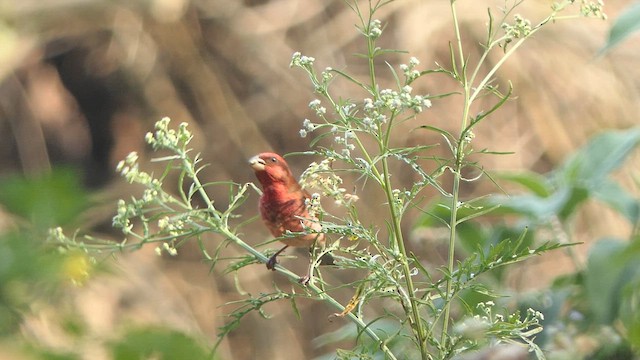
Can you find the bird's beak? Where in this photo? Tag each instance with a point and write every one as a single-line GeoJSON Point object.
{"type": "Point", "coordinates": [257, 163]}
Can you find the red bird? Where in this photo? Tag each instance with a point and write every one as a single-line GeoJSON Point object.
{"type": "Point", "coordinates": [283, 204]}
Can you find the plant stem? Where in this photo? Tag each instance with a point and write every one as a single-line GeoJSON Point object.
{"type": "Point", "coordinates": [455, 191]}
{"type": "Point", "coordinates": [471, 93]}
{"type": "Point", "coordinates": [415, 318]}
{"type": "Point", "coordinates": [189, 166]}
{"type": "Point", "coordinates": [452, 246]}
{"type": "Point", "coordinates": [454, 15]}
{"type": "Point", "coordinates": [397, 230]}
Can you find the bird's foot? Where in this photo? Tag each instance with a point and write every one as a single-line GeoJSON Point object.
{"type": "Point", "coordinates": [327, 259]}
{"type": "Point", "coordinates": [305, 280]}
{"type": "Point", "coordinates": [271, 263]}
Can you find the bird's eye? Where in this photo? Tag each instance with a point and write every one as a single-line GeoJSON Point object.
{"type": "Point", "coordinates": [274, 160]}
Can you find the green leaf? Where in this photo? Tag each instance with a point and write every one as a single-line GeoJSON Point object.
{"type": "Point", "coordinates": [47, 354]}
{"type": "Point", "coordinates": [583, 175]}
{"type": "Point", "coordinates": [477, 213]}
{"type": "Point", "coordinates": [596, 160]}
{"type": "Point", "coordinates": [619, 199]}
{"type": "Point", "coordinates": [533, 182]}
{"type": "Point", "coordinates": [444, 133]}
{"type": "Point", "coordinates": [52, 199]}
{"type": "Point", "coordinates": [576, 197]}
{"type": "Point", "coordinates": [157, 343]}
{"type": "Point", "coordinates": [625, 25]}
{"type": "Point", "coordinates": [472, 236]}
{"type": "Point", "coordinates": [630, 311]}
{"type": "Point", "coordinates": [538, 208]}
{"type": "Point", "coordinates": [29, 272]}
{"type": "Point", "coordinates": [612, 264]}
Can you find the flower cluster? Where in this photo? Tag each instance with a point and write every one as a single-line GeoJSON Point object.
{"type": "Point", "coordinates": [316, 105]}
{"type": "Point", "coordinates": [521, 28]}
{"type": "Point", "coordinates": [397, 101]}
{"type": "Point", "coordinates": [593, 9]}
{"type": "Point", "coordinates": [344, 140]}
{"type": "Point", "coordinates": [469, 136]}
{"type": "Point", "coordinates": [486, 313]}
{"type": "Point", "coordinates": [123, 217]}
{"type": "Point", "coordinates": [409, 71]}
{"type": "Point", "coordinates": [130, 170]}
{"type": "Point", "coordinates": [313, 205]}
{"type": "Point", "coordinates": [168, 247]}
{"type": "Point", "coordinates": [401, 196]}
{"type": "Point", "coordinates": [320, 83]}
{"type": "Point", "coordinates": [297, 59]}
{"type": "Point", "coordinates": [166, 138]}
{"type": "Point", "coordinates": [171, 226]}
{"type": "Point", "coordinates": [162, 138]}
{"type": "Point", "coordinates": [136, 207]}
{"type": "Point", "coordinates": [375, 29]}
{"type": "Point", "coordinates": [327, 75]}
{"type": "Point", "coordinates": [56, 235]}
{"type": "Point", "coordinates": [307, 127]}
{"type": "Point", "coordinates": [321, 176]}
{"type": "Point", "coordinates": [373, 117]}
{"type": "Point", "coordinates": [487, 323]}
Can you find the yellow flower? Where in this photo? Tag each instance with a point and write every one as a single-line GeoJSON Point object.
{"type": "Point", "coordinates": [76, 268]}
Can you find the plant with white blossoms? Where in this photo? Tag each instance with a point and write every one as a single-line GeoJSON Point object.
{"type": "Point", "coordinates": [361, 133]}
{"type": "Point", "coordinates": [423, 314]}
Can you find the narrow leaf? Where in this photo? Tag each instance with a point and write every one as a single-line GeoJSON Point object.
{"type": "Point", "coordinates": [596, 160]}
{"type": "Point", "coordinates": [531, 181]}
{"type": "Point", "coordinates": [624, 26]}
{"type": "Point", "coordinates": [477, 214]}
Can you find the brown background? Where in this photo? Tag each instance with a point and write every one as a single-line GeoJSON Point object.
{"type": "Point", "coordinates": [82, 81]}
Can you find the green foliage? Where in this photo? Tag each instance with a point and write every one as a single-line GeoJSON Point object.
{"type": "Point", "coordinates": [29, 268]}
{"type": "Point", "coordinates": [606, 281]}
{"type": "Point", "coordinates": [157, 343]}
{"type": "Point", "coordinates": [47, 200]}
{"type": "Point", "coordinates": [34, 271]}
{"type": "Point", "coordinates": [600, 300]}
{"type": "Point", "coordinates": [27, 273]}
{"type": "Point", "coordinates": [598, 304]}
{"type": "Point", "coordinates": [583, 176]}
{"type": "Point", "coordinates": [624, 26]}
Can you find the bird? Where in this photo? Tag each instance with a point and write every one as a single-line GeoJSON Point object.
{"type": "Point", "coordinates": [283, 206]}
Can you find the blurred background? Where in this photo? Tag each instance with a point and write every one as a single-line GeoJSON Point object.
{"type": "Point", "coordinates": [82, 81]}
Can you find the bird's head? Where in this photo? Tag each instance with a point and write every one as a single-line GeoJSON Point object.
{"type": "Point", "coordinates": [271, 168]}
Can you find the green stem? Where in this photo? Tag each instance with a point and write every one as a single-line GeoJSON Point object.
{"type": "Point", "coordinates": [454, 15]}
{"type": "Point", "coordinates": [189, 166]}
{"type": "Point", "coordinates": [397, 230]}
{"type": "Point", "coordinates": [415, 317]}
{"type": "Point", "coordinates": [471, 93]}
{"type": "Point", "coordinates": [452, 246]}
{"type": "Point", "coordinates": [459, 154]}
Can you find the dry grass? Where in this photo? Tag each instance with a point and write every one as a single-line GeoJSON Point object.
{"type": "Point", "coordinates": [82, 81]}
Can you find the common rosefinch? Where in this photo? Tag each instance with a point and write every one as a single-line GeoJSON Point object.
{"type": "Point", "coordinates": [283, 204]}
